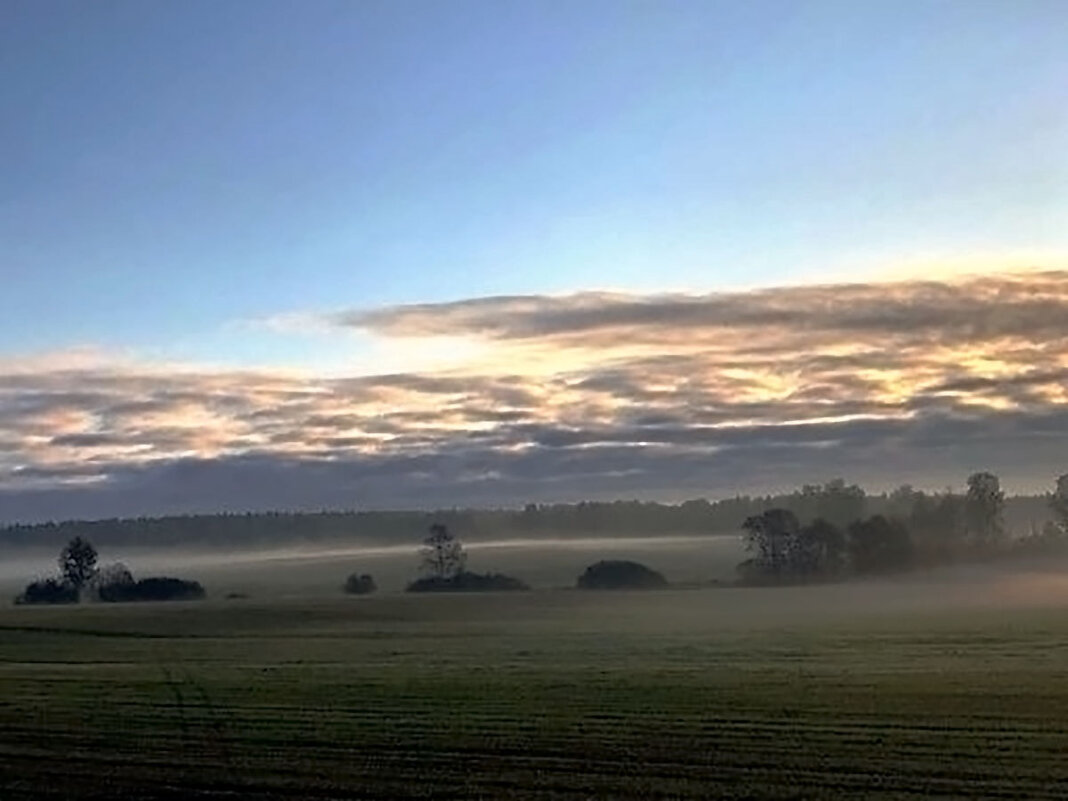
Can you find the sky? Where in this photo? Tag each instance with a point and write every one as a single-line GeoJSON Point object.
{"type": "Point", "coordinates": [268, 254]}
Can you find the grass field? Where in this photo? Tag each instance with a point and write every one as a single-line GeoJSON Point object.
{"type": "Point", "coordinates": [833, 692]}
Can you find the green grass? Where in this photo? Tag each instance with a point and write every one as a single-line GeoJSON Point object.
{"type": "Point", "coordinates": [713, 693]}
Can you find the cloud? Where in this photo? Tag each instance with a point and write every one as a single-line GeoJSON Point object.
{"type": "Point", "coordinates": [998, 305]}
{"type": "Point", "coordinates": [589, 395]}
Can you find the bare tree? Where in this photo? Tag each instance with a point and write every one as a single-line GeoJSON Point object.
{"type": "Point", "coordinates": [443, 555]}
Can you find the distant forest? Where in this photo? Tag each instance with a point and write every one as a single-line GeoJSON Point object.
{"type": "Point", "coordinates": [836, 501]}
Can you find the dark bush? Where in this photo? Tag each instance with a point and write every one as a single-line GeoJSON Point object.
{"type": "Point", "coordinates": [363, 584]}
{"type": "Point", "coordinates": [48, 591]}
{"type": "Point", "coordinates": [620, 575]}
{"type": "Point", "coordinates": [468, 582]}
{"type": "Point", "coordinates": [109, 576]}
{"type": "Point", "coordinates": [157, 588]}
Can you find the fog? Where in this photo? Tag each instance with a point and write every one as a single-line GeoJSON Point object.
{"type": "Point", "coordinates": [551, 564]}
{"type": "Point", "coordinates": [321, 569]}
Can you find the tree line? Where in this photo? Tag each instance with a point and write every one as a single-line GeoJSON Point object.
{"type": "Point", "coordinates": [835, 501]}
{"type": "Point", "coordinates": [833, 535]}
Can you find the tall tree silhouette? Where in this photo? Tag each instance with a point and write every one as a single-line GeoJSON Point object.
{"type": "Point", "coordinates": [984, 510]}
{"type": "Point", "coordinates": [443, 555]}
{"type": "Point", "coordinates": [770, 534]}
{"type": "Point", "coordinates": [77, 562]}
{"type": "Point", "coordinates": [1058, 503]}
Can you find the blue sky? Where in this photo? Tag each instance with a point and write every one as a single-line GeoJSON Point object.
{"type": "Point", "coordinates": [259, 253]}
{"type": "Point", "coordinates": [173, 167]}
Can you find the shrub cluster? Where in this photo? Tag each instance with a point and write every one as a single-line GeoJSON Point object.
{"type": "Point", "coordinates": [361, 584]}
{"type": "Point", "coordinates": [155, 588]}
{"type": "Point", "coordinates": [466, 581]}
{"type": "Point", "coordinates": [48, 591]}
{"type": "Point", "coordinates": [620, 574]}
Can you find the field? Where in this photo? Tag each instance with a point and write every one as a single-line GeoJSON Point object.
{"type": "Point", "coordinates": [893, 690]}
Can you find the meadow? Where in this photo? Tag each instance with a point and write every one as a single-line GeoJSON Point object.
{"type": "Point", "coordinates": [947, 686]}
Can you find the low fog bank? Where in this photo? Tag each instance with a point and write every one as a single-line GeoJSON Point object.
{"type": "Point", "coordinates": [318, 572]}
{"type": "Point", "coordinates": [318, 569]}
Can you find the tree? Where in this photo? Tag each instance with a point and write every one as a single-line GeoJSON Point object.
{"type": "Point", "coordinates": [984, 506]}
{"type": "Point", "coordinates": [817, 550]}
{"type": "Point", "coordinates": [770, 535]}
{"type": "Point", "coordinates": [1058, 503]}
{"type": "Point", "coordinates": [443, 555]}
{"type": "Point", "coordinates": [787, 551]}
{"type": "Point", "coordinates": [77, 563]}
{"type": "Point", "coordinates": [879, 545]}
{"type": "Point", "coordinates": [937, 525]}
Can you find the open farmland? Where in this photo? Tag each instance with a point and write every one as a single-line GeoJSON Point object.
{"type": "Point", "coordinates": [831, 692]}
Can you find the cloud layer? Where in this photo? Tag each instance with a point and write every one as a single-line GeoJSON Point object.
{"type": "Point", "coordinates": [592, 394]}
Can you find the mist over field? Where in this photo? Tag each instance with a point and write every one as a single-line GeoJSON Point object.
{"type": "Point", "coordinates": [704, 566]}
{"type": "Point", "coordinates": [321, 569]}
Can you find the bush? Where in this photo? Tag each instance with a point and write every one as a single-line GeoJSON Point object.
{"type": "Point", "coordinates": [156, 588]}
{"type": "Point", "coordinates": [620, 575]}
{"type": "Point", "coordinates": [48, 591]}
{"type": "Point", "coordinates": [107, 577]}
{"type": "Point", "coordinates": [363, 584]}
{"type": "Point", "coordinates": [468, 582]}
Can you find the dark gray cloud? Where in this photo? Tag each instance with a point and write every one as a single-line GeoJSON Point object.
{"type": "Point", "coordinates": [559, 467]}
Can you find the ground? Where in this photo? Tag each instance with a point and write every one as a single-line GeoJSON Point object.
{"type": "Point", "coordinates": [553, 694]}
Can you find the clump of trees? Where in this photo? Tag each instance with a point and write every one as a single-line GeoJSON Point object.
{"type": "Point", "coordinates": [77, 569]}
{"type": "Point", "coordinates": [444, 564]}
{"type": "Point", "coordinates": [620, 574]}
{"type": "Point", "coordinates": [880, 545]}
{"type": "Point", "coordinates": [786, 550]}
{"type": "Point", "coordinates": [360, 584]}
{"type": "Point", "coordinates": [81, 580]}
{"type": "Point", "coordinates": [914, 529]}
